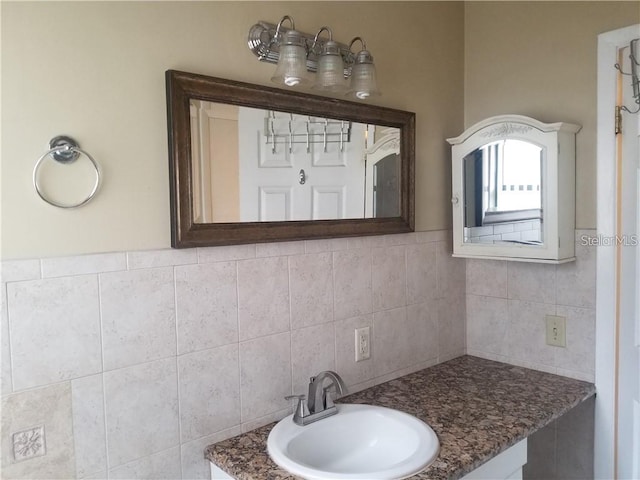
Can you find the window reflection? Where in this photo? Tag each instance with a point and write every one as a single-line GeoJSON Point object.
{"type": "Point", "coordinates": [503, 193]}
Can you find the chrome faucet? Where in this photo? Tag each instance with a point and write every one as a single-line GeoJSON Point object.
{"type": "Point", "coordinates": [319, 404]}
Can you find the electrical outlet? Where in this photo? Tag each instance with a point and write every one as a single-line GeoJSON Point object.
{"type": "Point", "coordinates": [556, 330]}
{"type": "Point", "coordinates": [363, 343]}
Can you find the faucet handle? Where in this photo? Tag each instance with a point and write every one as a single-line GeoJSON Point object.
{"type": "Point", "coordinates": [296, 397]}
{"type": "Point", "coordinates": [301, 408]}
{"type": "Point", "coordinates": [327, 395]}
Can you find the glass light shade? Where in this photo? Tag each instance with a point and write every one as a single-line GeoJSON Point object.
{"type": "Point", "coordinates": [363, 77]}
{"type": "Point", "coordinates": [330, 73]}
{"type": "Point", "coordinates": [292, 63]}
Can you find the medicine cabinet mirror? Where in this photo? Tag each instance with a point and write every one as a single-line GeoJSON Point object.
{"type": "Point", "coordinates": [514, 190]}
{"type": "Point", "coordinates": [256, 164]}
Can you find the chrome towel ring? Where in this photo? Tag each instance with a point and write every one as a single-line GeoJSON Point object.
{"type": "Point", "coordinates": [65, 150]}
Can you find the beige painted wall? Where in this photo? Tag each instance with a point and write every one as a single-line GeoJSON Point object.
{"type": "Point", "coordinates": [539, 59]}
{"type": "Point", "coordinates": [95, 71]}
{"type": "Point", "coordinates": [102, 82]}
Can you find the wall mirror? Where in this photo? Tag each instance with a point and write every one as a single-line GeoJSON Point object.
{"type": "Point", "coordinates": [256, 164]}
{"type": "Point", "coordinates": [513, 190]}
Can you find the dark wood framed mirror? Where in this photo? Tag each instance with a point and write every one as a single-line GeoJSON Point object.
{"type": "Point", "coordinates": [235, 157]}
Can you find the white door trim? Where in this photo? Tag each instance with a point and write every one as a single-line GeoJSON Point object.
{"type": "Point", "coordinates": [608, 43]}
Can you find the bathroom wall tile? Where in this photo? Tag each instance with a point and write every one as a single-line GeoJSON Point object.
{"type": "Point", "coordinates": [265, 375]}
{"type": "Point", "coordinates": [138, 316]}
{"type": "Point", "coordinates": [49, 407]}
{"type": "Point", "coordinates": [20, 270]}
{"type": "Point", "coordinates": [226, 253]}
{"type": "Point", "coordinates": [487, 324]}
{"type": "Point", "coordinates": [89, 425]}
{"type": "Point", "coordinates": [312, 351]}
{"type": "Point", "coordinates": [209, 389]}
{"type": "Point", "coordinates": [450, 272]}
{"type": "Point", "coordinates": [534, 282]}
{"type": "Point", "coordinates": [6, 383]}
{"type": "Point", "coordinates": [83, 264]}
{"type": "Point", "coordinates": [161, 258]}
{"type": "Point", "coordinates": [579, 355]}
{"type": "Point", "coordinates": [535, 290]}
{"type": "Point", "coordinates": [421, 272]}
{"type": "Point", "coordinates": [532, 366]}
{"type": "Point", "coordinates": [445, 357]}
{"type": "Point", "coordinates": [147, 422]}
{"type": "Point", "coordinates": [577, 280]}
{"type": "Point", "coordinates": [393, 341]}
{"type": "Point", "coordinates": [388, 277]}
{"type": "Point", "coordinates": [102, 475]}
{"type": "Point", "coordinates": [311, 286]}
{"type": "Point", "coordinates": [527, 332]}
{"type": "Point", "coordinates": [263, 297]}
{"type": "Point", "coordinates": [54, 330]}
{"type": "Point", "coordinates": [422, 324]}
{"type": "Point", "coordinates": [585, 377]}
{"type": "Point", "coordinates": [160, 466]}
{"type": "Point", "coordinates": [404, 337]}
{"type": "Point", "coordinates": [399, 239]}
{"type": "Point", "coordinates": [317, 246]}
{"type": "Point", "coordinates": [194, 465]}
{"type": "Point", "coordinates": [487, 355]}
{"type": "Point", "coordinates": [352, 294]}
{"type": "Point", "coordinates": [326, 245]}
{"type": "Point", "coordinates": [358, 387]}
{"type": "Point", "coordinates": [351, 372]}
{"type": "Point", "coordinates": [451, 327]}
{"type": "Point", "coordinates": [266, 419]}
{"type": "Point", "coordinates": [487, 277]}
{"type": "Point", "coordinates": [206, 306]}
{"type": "Point", "coordinates": [356, 243]}
{"type": "Point", "coordinates": [399, 373]}
{"type": "Point", "coordinates": [278, 249]}
{"type": "Point", "coordinates": [433, 236]}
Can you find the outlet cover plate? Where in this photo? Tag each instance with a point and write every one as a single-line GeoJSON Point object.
{"type": "Point", "coordinates": [363, 343]}
{"type": "Point", "coordinates": [556, 330]}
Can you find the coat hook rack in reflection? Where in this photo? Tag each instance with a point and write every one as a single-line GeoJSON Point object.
{"type": "Point", "coordinates": [65, 150]}
{"type": "Point", "coordinates": [332, 131]}
{"type": "Point", "coordinates": [634, 57]}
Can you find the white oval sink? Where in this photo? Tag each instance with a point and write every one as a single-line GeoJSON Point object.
{"type": "Point", "coordinates": [359, 442]}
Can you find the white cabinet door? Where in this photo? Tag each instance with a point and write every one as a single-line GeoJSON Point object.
{"type": "Point", "coordinates": [218, 474]}
{"type": "Point", "coordinates": [506, 465]}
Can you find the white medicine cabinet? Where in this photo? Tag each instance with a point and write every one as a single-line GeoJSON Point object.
{"type": "Point", "coordinates": [513, 191]}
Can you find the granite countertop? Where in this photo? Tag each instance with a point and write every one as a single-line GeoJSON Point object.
{"type": "Point", "coordinates": [478, 408]}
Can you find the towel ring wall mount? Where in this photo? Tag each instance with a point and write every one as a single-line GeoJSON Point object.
{"type": "Point", "coordinates": [65, 150]}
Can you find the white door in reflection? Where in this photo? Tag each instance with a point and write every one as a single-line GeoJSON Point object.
{"type": "Point", "coordinates": [296, 167]}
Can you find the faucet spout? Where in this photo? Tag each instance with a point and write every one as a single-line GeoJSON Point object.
{"type": "Point", "coordinates": [319, 396]}
{"type": "Point", "coordinates": [319, 404]}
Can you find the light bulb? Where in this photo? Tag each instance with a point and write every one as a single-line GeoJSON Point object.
{"type": "Point", "coordinates": [292, 62]}
{"type": "Point", "coordinates": [363, 77]}
{"type": "Point", "coordinates": [330, 73]}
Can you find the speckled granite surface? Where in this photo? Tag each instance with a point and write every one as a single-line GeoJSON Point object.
{"type": "Point", "coordinates": [477, 407]}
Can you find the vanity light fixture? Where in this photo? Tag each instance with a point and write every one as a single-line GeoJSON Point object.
{"type": "Point", "coordinates": [292, 61]}
{"type": "Point", "coordinates": [363, 73]}
{"type": "Point", "coordinates": [297, 53]}
{"type": "Point", "coordinates": [330, 73]}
